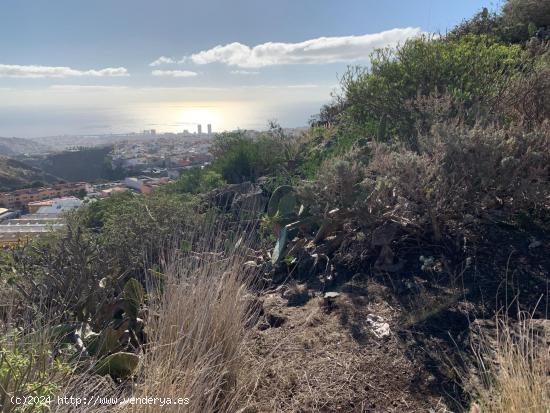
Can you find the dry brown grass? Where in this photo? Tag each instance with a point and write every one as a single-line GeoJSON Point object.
{"type": "Point", "coordinates": [515, 368]}
{"type": "Point", "coordinates": [196, 333]}
{"type": "Point", "coordinates": [198, 310]}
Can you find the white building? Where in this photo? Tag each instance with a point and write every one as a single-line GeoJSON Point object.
{"type": "Point", "coordinates": [60, 205]}
{"type": "Point", "coordinates": [134, 183]}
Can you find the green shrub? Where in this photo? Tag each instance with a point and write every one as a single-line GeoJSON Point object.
{"type": "Point", "coordinates": [136, 226]}
{"type": "Point", "coordinates": [472, 70]}
{"type": "Point", "coordinates": [519, 21]}
{"type": "Point", "coordinates": [239, 157]}
{"type": "Point", "coordinates": [196, 181]}
{"type": "Point", "coordinates": [29, 373]}
{"type": "Point", "coordinates": [519, 15]}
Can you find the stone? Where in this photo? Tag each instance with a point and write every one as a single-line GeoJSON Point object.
{"type": "Point", "coordinates": [378, 326]}
{"type": "Point", "coordinates": [254, 201]}
{"type": "Point", "coordinates": [383, 237]}
{"type": "Point", "coordinates": [329, 300]}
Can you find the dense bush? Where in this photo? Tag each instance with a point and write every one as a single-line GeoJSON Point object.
{"type": "Point", "coordinates": [196, 181]}
{"type": "Point", "coordinates": [240, 157]}
{"type": "Point", "coordinates": [472, 70]}
{"type": "Point", "coordinates": [458, 176]}
{"type": "Point", "coordinates": [443, 136]}
{"type": "Point", "coordinates": [131, 227]}
{"type": "Point", "coordinates": [492, 68]}
{"type": "Point", "coordinates": [519, 21]}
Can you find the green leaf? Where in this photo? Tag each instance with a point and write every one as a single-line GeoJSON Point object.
{"type": "Point", "coordinates": [280, 246]}
{"type": "Point", "coordinates": [133, 294]}
{"type": "Point", "coordinates": [120, 365]}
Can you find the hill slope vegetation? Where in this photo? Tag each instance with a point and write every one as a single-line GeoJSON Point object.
{"type": "Point", "coordinates": [15, 174]}
{"type": "Point", "coordinates": [393, 258]}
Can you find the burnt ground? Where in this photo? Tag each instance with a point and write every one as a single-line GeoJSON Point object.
{"type": "Point", "coordinates": [310, 358]}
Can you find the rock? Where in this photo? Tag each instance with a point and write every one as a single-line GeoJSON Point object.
{"type": "Point", "coordinates": [383, 237]}
{"type": "Point", "coordinates": [379, 328]}
{"type": "Point", "coordinates": [254, 201]}
{"type": "Point", "coordinates": [386, 261]}
{"type": "Point", "coordinates": [329, 300]}
{"type": "Point", "coordinates": [224, 197]}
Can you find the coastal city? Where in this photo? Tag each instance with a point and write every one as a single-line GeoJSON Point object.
{"type": "Point", "coordinates": [146, 160]}
{"type": "Point", "coordinates": [167, 153]}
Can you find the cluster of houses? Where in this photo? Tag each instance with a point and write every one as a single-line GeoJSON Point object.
{"type": "Point", "coordinates": [43, 217]}
{"type": "Point", "coordinates": [165, 154]}
{"type": "Point", "coordinates": [28, 213]}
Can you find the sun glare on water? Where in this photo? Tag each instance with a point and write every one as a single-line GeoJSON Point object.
{"type": "Point", "coordinates": [203, 115]}
{"type": "Point", "coordinates": [177, 117]}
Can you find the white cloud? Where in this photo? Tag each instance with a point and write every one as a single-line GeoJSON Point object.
{"type": "Point", "coordinates": [245, 72]}
{"type": "Point", "coordinates": [90, 88]}
{"type": "Point", "coordinates": [313, 51]}
{"type": "Point", "coordinates": [35, 71]}
{"type": "Point", "coordinates": [174, 73]}
{"type": "Point", "coordinates": [304, 86]}
{"type": "Point", "coordinates": [163, 60]}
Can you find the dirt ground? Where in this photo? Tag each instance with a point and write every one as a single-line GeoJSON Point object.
{"type": "Point", "coordinates": [328, 359]}
{"type": "Point", "coordinates": [307, 356]}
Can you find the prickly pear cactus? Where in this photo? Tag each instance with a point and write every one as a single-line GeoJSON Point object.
{"type": "Point", "coordinates": [119, 365]}
{"type": "Point", "coordinates": [133, 295]}
{"type": "Point", "coordinates": [282, 201]}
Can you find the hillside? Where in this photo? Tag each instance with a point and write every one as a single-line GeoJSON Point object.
{"type": "Point", "coordinates": [15, 174]}
{"type": "Point", "coordinates": [393, 257]}
{"type": "Point", "coordinates": [86, 164]}
{"type": "Point", "coordinates": [17, 146]}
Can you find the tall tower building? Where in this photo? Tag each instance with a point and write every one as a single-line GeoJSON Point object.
{"type": "Point", "coordinates": [199, 129]}
{"type": "Point", "coordinates": [209, 128]}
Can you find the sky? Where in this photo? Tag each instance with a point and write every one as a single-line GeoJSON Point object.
{"type": "Point", "coordinates": [115, 66]}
